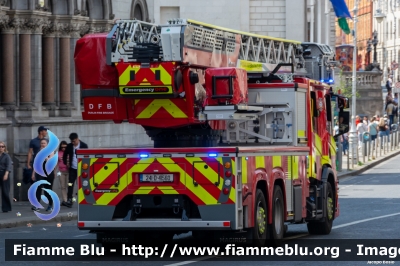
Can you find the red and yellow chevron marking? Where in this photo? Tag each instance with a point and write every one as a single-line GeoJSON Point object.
{"type": "Point", "coordinates": [160, 108]}
{"type": "Point", "coordinates": [145, 77]}
{"type": "Point", "coordinates": [188, 170]}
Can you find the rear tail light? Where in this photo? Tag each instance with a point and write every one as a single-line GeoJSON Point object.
{"type": "Point", "coordinates": [228, 173]}
{"type": "Point", "coordinates": [84, 174]}
{"type": "Point", "coordinates": [226, 224]}
{"type": "Point", "coordinates": [85, 166]}
{"type": "Point", "coordinates": [81, 224]}
{"type": "Point", "coordinates": [86, 191]}
{"type": "Point", "coordinates": [225, 191]}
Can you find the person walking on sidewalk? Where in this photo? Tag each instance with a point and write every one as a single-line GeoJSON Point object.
{"type": "Point", "coordinates": [71, 161]}
{"type": "Point", "coordinates": [62, 172]}
{"type": "Point", "coordinates": [382, 130]}
{"type": "Point", "coordinates": [34, 146]}
{"type": "Point", "coordinates": [373, 129]}
{"type": "Point", "coordinates": [5, 170]}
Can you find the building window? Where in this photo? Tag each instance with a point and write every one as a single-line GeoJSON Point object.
{"type": "Point", "coordinates": [137, 12]}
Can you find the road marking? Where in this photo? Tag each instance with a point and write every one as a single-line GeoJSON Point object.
{"type": "Point", "coordinates": [82, 235]}
{"type": "Point", "coordinates": [15, 232]}
{"type": "Point", "coordinates": [190, 261]}
{"type": "Point", "coordinates": [372, 191]}
{"type": "Point", "coordinates": [365, 220]}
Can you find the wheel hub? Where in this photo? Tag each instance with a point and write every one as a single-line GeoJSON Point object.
{"type": "Point", "coordinates": [261, 219]}
{"type": "Point", "coordinates": [330, 208]}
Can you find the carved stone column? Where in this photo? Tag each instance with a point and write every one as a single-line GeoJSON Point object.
{"type": "Point", "coordinates": [48, 67]}
{"type": "Point", "coordinates": [69, 31]}
{"type": "Point", "coordinates": [64, 30]}
{"type": "Point", "coordinates": [7, 28]}
{"type": "Point", "coordinates": [25, 70]}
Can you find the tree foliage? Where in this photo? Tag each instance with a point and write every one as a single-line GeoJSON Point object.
{"type": "Point", "coordinates": [344, 86]}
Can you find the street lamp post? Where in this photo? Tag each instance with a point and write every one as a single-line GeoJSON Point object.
{"type": "Point", "coordinates": [375, 43]}
{"type": "Point", "coordinates": [353, 138]}
{"type": "Point", "coordinates": [379, 16]}
{"type": "Point", "coordinates": [394, 40]}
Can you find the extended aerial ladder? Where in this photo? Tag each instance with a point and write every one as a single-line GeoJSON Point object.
{"type": "Point", "coordinates": [181, 38]}
{"type": "Point", "coordinates": [162, 76]}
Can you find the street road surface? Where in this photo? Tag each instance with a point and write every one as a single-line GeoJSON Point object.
{"type": "Point", "coordinates": [369, 209]}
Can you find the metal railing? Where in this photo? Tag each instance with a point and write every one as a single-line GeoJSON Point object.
{"type": "Point", "coordinates": [371, 148]}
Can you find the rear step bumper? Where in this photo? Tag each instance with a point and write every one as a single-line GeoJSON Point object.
{"type": "Point", "coordinates": [155, 224]}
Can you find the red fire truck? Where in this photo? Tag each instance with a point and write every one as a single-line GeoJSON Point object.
{"type": "Point", "coordinates": [244, 137]}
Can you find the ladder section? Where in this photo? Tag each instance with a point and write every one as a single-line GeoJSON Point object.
{"type": "Point", "coordinates": [256, 53]}
{"type": "Point", "coordinates": [200, 45]}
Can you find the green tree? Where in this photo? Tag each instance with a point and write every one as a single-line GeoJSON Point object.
{"type": "Point", "coordinates": [344, 87]}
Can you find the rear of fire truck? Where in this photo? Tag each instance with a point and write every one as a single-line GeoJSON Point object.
{"type": "Point", "coordinates": [223, 149]}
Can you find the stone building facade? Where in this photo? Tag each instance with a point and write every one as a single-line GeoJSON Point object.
{"type": "Point", "coordinates": [37, 80]}
{"type": "Point", "coordinates": [38, 37]}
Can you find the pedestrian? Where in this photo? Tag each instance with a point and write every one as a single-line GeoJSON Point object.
{"type": "Point", "coordinates": [50, 178]}
{"type": "Point", "coordinates": [373, 129]}
{"type": "Point", "coordinates": [361, 128]}
{"type": "Point", "coordinates": [365, 120]}
{"type": "Point", "coordinates": [5, 170]}
{"type": "Point", "coordinates": [345, 143]}
{"type": "Point", "coordinates": [34, 146]}
{"type": "Point", "coordinates": [358, 120]}
{"type": "Point", "coordinates": [390, 112]}
{"type": "Point", "coordinates": [62, 172]}
{"type": "Point", "coordinates": [382, 130]}
{"type": "Point", "coordinates": [396, 106]}
{"type": "Point", "coordinates": [71, 161]}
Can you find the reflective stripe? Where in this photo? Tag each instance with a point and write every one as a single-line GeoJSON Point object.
{"type": "Point", "coordinates": [244, 170]}
{"type": "Point", "coordinates": [295, 167]}
{"type": "Point", "coordinates": [260, 162]}
{"type": "Point", "coordinates": [125, 76]}
{"type": "Point", "coordinates": [209, 172]}
{"type": "Point", "coordinates": [199, 191]}
{"type": "Point", "coordinates": [276, 161]}
{"type": "Point", "coordinates": [143, 190]}
{"type": "Point", "coordinates": [166, 104]}
{"type": "Point", "coordinates": [301, 133]}
{"type": "Point", "coordinates": [106, 198]}
{"type": "Point", "coordinates": [168, 190]}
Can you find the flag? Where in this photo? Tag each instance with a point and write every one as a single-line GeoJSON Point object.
{"type": "Point", "coordinates": [342, 12]}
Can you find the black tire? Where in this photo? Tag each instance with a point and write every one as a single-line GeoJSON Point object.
{"type": "Point", "coordinates": [260, 230]}
{"type": "Point", "coordinates": [325, 227]}
{"type": "Point", "coordinates": [277, 228]}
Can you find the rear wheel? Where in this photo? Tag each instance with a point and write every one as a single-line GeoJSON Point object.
{"type": "Point", "coordinates": [260, 219]}
{"type": "Point", "coordinates": [325, 227]}
{"type": "Point", "coordinates": [277, 228]}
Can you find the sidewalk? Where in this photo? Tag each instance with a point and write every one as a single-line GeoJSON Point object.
{"type": "Point", "coordinates": [22, 215]}
{"type": "Point", "coordinates": [369, 163]}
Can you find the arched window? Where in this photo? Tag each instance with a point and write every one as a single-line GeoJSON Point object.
{"type": "Point", "coordinates": [137, 13]}
{"type": "Point", "coordinates": [139, 10]}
